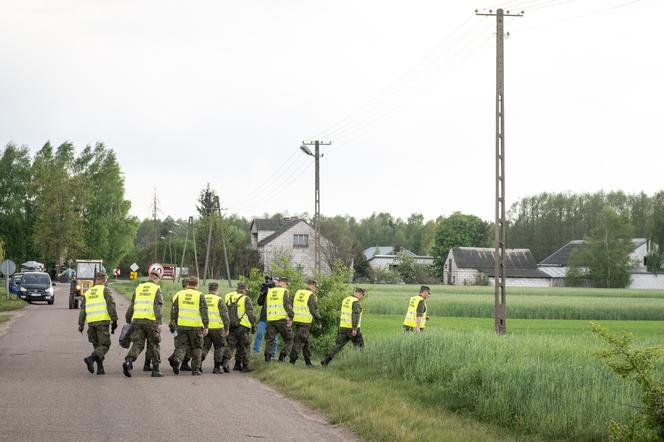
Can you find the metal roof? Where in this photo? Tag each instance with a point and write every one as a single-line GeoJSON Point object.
{"type": "Point", "coordinates": [519, 263]}
{"type": "Point", "coordinates": [284, 226]}
{"type": "Point", "coordinates": [560, 258]}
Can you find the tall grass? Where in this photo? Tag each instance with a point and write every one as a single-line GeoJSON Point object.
{"type": "Point", "coordinates": [545, 385]}
{"type": "Point", "coordinates": [524, 303]}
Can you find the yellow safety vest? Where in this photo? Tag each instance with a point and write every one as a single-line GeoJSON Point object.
{"type": "Point", "coordinates": [241, 300]}
{"type": "Point", "coordinates": [229, 296]}
{"type": "Point", "coordinates": [301, 307]}
{"type": "Point", "coordinates": [189, 308]}
{"type": "Point", "coordinates": [346, 319]}
{"type": "Point", "coordinates": [95, 305]}
{"type": "Point", "coordinates": [144, 301]}
{"type": "Point", "coordinates": [411, 314]}
{"type": "Point", "coordinates": [213, 311]}
{"type": "Point", "coordinates": [275, 304]}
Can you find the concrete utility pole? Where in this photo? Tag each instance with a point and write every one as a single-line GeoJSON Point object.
{"type": "Point", "coordinates": [316, 156]}
{"type": "Point", "coordinates": [193, 234]}
{"type": "Point", "coordinates": [154, 224]}
{"type": "Point", "coordinates": [184, 249]}
{"type": "Point", "coordinates": [499, 254]}
{"type": "Point", "coordinates": [223, 242]}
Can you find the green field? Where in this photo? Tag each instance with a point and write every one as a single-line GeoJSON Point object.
{"type": "Point", "coordinates": [8, 304]}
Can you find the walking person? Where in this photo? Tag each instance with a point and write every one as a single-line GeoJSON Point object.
{"type": "Point", "coordinates": [279, 319]}
{"type": "Point", "coordinates": [305, 308]}
{"type": "Point", "coordinates": [350, 322]}
{"type": "Point", "coordinates": [184, 365]}
{"type": "Point", "coordinates": [416, 316]}
{"type": "Point", "coordinates": [98, 310]}
{"type": "Point", "coordinates": [218, 328]}
{"type": "Point", "coordinates": [144, 314]}
{"type": "Point", "coordinates": [262, 323]}
{"type": "Point", "coordinates": [189, 316]}
{"type": "Point", "coordinates": [242, 320]}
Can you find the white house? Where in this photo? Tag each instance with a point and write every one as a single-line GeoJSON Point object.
{"type": "Point", "coordinates": [385, 257]}
{"type": "Point", "coordinates": [290, 237]}
{"type": "Point", "coordinates": [476, 265]}
{"type": "Point", "coordinates": [557, 264]}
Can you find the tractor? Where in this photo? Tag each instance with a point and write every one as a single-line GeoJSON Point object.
{"type": "Point", "coordinates": [85, 271]}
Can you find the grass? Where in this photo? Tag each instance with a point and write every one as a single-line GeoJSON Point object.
{"type": "Point", "coordinates": [8, 304]}
{"type": "Point", "coordinates": [524, 303]}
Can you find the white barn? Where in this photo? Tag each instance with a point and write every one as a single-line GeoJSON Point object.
{"type": "Point", "coordinates": [290, 237]}
{"type": "Point", "coordinates": [385, 257]}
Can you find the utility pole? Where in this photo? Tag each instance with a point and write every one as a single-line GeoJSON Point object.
{"type": "Point", "coordinates": [184, 249]}
{"type": "Point", "coordinates": [499, 253]}
{"type": "Point", "coordinates": [316, 156]}
{"type": "Point", "coordinates": [154, 225]}
{"type": "Point", "coordinates": [207, 251]}
{"type": "Point", "coordinates": [193, 233]}
{"type": "Point", "coordinates": [223, 242]}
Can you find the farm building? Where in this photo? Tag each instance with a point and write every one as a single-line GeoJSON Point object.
{"type": "Point", "coordinates": [385, 257]}
{"type": "Point", "coordinates": [292, 237]}
{"type": "Point", "coordinates": [476, 266]}
{"type": "Point", "coordinates": [557, 264]}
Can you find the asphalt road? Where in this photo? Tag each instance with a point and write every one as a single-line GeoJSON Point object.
{"type": "Point", "coordinates": [47, 394]}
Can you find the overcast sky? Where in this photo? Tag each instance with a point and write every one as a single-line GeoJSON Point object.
{"type": "Point", "coordinates": [224, 92]}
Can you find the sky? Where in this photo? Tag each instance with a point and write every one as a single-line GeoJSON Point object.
{"type": "Point", "coordinates": [224, 92]}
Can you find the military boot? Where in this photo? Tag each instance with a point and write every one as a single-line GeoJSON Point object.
{"type": "Point", "coordinates": [147, 366]}
{"type": "Point", "coordinates": [237, 366]}
{"type": "Point", "coordinates": [307, 362]}
{"type": "Point", "coordinates": [185, 365]}
{"type": "Point", "coordinates": [127, 367]}
{"type": "Point", "coordinates": [155, 371]}
{"type": "Point", "coordinates": [293, 359]}
{"type": "Point", "coordinates": [247, 369]}
{"type": "Point", "coordinates": [282, 357]}
{"type": "Point", "coordinates": [217, 368]}
{"type": "Point", "coordinates": [325, 361]}
{"type": "Point", "coordinates": [175, 365]}
{"type": "Point", "coordinates": [196, 372]}
{"type": "Point", "coordinates": [90, 362]}
{"type": "Point", "coordinates": [100, 367]}
{"type": "Point", "coordinates": [226, 366]}
{"type": "Point", "coordinates": [268, 358]}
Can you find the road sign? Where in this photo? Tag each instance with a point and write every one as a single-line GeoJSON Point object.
{"type": "Point", "coordinates": [169, 271]}
{"type": "Point", "coordinates": [116, 272]}
{"type": "Point", "coordinates": [156, 267]}
{"type": "Point", "coordinates": [133, 275]}
{"type": "Point", "coordinates": [134, 267]}
{"type": "Point", "coordinates": [7, 267]}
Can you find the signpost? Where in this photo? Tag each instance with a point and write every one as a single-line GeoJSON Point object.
{"type": "Point", "coordinates": [116, 272]}
{"type": "Point", "coordinates": [169, 271]}
{"type": "Point", "coordinates": [7, 268]}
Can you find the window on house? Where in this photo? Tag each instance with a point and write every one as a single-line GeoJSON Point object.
{"type": "Point", "coordinates": [300, 240]}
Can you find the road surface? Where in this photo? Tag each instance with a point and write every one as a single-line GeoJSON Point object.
{"type": "Point", "coordinates": [46, 393]}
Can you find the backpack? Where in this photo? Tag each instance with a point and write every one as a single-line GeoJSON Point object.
{"type": "Point", "coordinates": [234, 320]}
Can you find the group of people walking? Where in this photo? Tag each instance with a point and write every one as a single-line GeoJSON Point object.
{"type": "Point", "coordinates": [201, 321]}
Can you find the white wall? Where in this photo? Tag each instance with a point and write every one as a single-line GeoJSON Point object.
{"type": "Point", "coordinates": [647, 281]}
{"type": "Point", "coordinates": [304, 257]}
{"type": "Point", "coordinates": [524, 282]}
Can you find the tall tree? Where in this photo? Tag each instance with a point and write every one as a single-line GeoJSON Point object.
{"type": "Point", "coordinates": [458, 230]}
{"type": "Point", "coordinates": [604, 256]}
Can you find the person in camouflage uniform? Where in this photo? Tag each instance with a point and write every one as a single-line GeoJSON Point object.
{"type": "Point", "coordinates": [416, 315]}
{"type": "Point", "coordinates": [189, 316]}
{"type": "Point", "coordinates": [184, 366]}
{"type": "Point", "coordinates": [279, 319]}
{"type": "Point", "coordinates": [218, 328]}
{"type": "Point", "coordinates": [305, 307]}
{"type": "Point", "coordinates": [98, 310]}
{"type": "Point", "coordinates": [243, 323]}
{"type": "Point", "coordinates": [349, 325]}
{"type": "Point", "coordinates": [145, 315]}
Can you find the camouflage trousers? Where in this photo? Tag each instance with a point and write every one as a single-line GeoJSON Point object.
{"type": "Point", "coordinates": [278, 327]}
{"type": "Point", "coordinates": [301, 342]}
{"type": "Point", "coordinates": [100, 338]}
{"type": "Point", "coordinates": [215, 337]}
{"type": "Point", "coordinates": [343, 336]}
{"type": "Point", "coordinates": [239, 339]}
{"type": "Point", "coordinates": [189, 339]}
{"type": "Point", "coordinates": [142, 334]}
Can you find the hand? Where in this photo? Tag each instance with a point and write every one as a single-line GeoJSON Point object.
{"type": "Point", "coordinates": [80, 328]}
{"type": "Point", "coordinates": [157, 328]}
{"type": "Point", "coordinates": [226, 333]}
{"type": "Point", "coordinates": [114, 325]}
{"type": "Point", "coordinates": [289, 322]}
{"type": "Point", "coordinates": [205, 332]}
{"type": "Point", "coordinates": [353, 333]}
{"type": "Point", "coordinates": [318, 325]}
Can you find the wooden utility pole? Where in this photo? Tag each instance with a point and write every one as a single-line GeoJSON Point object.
{"type": "Point", "coordinates": [193, 234]}
{"type": "Point", "coordinates": [316, 156]}
{"type": "Point", "coordinates": [184, 249]}
{"type": "Point", "coordinates": [154, 224]}
{"type": "Point", "coordinates": [223, 242]}
{"type": "Point", "coordinates": [499, 253]}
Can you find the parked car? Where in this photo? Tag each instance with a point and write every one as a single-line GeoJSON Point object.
{"type": "Point", "coordinates": [36, 286]}
{"type": "Point", "coordinates": [15, 283]}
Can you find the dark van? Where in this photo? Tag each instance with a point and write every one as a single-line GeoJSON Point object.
{"type": "Point", "coordinates": [36, 286]}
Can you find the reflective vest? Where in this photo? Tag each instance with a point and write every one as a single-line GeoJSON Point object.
{"type": "Point", "coordinates": [346, 319]}
{"type": "Point", "coordinates": [241, 300]}
{"type": "Point", "coordinates": [411, 314]}
{"type": "Point", "coordinates": [213, 311]}
{"type": "Point", "coordinates": [229, 296]}
{"type": "Point", "coordinates": [144, 301]}
{"type": "Point", "coordinates": [189, 308]}
{"type": "Point", "coordinates": [95, 305]}
{"type": "Point", "coordinates": [275, 304]}
{"type": "Point", "coordinates": [301, 307]}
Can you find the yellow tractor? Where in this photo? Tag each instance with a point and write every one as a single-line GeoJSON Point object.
{"type": "Point", "coordinates": [85, 271]}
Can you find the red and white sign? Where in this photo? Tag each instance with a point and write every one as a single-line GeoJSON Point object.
{"type": "Point", "coordinates": [116, 272]}
{"type": "Point", "coordinates": [156, 267]}
{"type": "Point", "coordinates": [169, 271]}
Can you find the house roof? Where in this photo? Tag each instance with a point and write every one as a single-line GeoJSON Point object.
{"type": "Point", "coordinates": [271, 225]}
{"type": "Point", "coordinates": [386, 251]}
{"type": "Point", "coordinates": [287, 224]}
{"type": "Point", "coordinates": [519, 263]}
{"type": "Point", "coordinates": [560, 258]}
